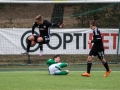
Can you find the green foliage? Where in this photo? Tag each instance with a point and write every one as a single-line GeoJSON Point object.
{"type": "Point", "coordinates": [39, 80]}
{"type": "Point", "coordinates": [106, 14]}
{"type": "Point", "coordinates": [57, 15]}
{"type": "Point", "coordinates": [2, 6]}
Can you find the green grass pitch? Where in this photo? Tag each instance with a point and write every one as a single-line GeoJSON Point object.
{"type": "Point", "coordinates": [41, 80]}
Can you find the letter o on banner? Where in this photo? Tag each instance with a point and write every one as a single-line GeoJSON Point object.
{"type": "Point", "coordinates": [60, 41]}
{"type": "Point", "coordinates": [24, 38]}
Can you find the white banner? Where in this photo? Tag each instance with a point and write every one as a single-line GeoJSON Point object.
{"type": "Point", "coordinates": [62, 41]}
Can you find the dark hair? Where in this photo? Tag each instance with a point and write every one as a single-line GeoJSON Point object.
{"type": "Point", "coordinates": [93, 22]}
{"type": "Point", "coordinates": [56, 56]}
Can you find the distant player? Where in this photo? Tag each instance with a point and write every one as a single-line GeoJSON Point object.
{"type": "Point", "coordinates": [55, 66]}
{"type": "Point", "coordinates": [44, 33]}
{"type": "Point", "coordinates": [97, 49]}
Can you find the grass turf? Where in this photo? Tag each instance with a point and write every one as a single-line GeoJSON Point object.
{"type": "Point", "coordinates": [41, 80]}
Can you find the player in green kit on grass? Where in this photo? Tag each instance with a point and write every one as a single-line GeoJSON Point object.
{"type": "Point", "coordinates": [55, 66]}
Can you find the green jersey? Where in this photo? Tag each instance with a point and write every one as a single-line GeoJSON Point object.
{"type": "Point", "coordinates": [50, 62]}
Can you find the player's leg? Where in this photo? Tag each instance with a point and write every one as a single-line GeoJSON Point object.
{"type": "Point", "coordinates": [58, 70]}
{"type": "Point", "coordinates": [65, 72]}
{"type": "Point", "coordinates": [104, 62]}
{"type": "Point", "coordinates": [40, 41]}
{"type": "Point", "coordinates": [51, 69]}
{"type": "Point", "coordinates": [89, 63]}
{"type": "Point", "coordinates": [55, 69]}
{"type": "Point", "coordinates": [43, 40]}
{"type": "Point", "coordinates": [62, 65]}
{"type": "Point", "coordinates": [41, 48]}
{"type": "Point", "coordinates": [30, 38]}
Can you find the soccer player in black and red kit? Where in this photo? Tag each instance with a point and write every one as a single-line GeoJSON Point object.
{"type": "Point", "coordinates": [44, 36]}
{"type": "Point", "coordinates": [97, 49]}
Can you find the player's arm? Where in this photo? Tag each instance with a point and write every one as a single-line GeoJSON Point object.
{"type": "Point", "coordinates": [56, 25]}
{"type": "Point", "coordinates": [97, 38]}
{"type": "Point", "coordinates": [50, 24]}
{"type": "Point", "coordinates": [50, 62]}
{"type": "Point", "coordinates": [33, 27]}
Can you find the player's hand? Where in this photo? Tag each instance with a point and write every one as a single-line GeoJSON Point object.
{"type": "Point", "coordinates": [89, 41]}
{"type": "Point", "coordinates": [61, 25]}
{"type": "Point", "coordinates": [89, 58]}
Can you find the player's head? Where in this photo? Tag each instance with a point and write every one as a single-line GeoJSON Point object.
{"type": "Point", "coordinates": [57, 58]}
{"type": "Point", "coordinates": [39, 19]}
{"type": "Point", "coordinates": [92, 24]}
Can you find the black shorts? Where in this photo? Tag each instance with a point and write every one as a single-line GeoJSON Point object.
{"type": "Point", "coordinates": [46, 39]}
{"type": "Point", "coordinates": [99, 53]}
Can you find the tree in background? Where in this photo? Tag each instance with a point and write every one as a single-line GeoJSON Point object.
{"type": "Point", "coordinates": [106, 14]}
{"type": "Point", "coordinates": [58, 12]}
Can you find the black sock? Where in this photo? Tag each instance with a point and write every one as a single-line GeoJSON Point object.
{"type": "Point", "coordinates": [106, 66]}
{"type": "Point", "coordinates": [41, 46]}
{"type": "Point", "coordinates": [89, 64]}
{"type": "Point", "coordinates": [28, 45]}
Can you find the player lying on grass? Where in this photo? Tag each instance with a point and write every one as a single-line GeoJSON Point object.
{"type": "Point", "coordinates": [55, 66]}
{"type": "Point", "coordinates": [44, 33]}
{"type": "Point", "coordinates": [97, 49]}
